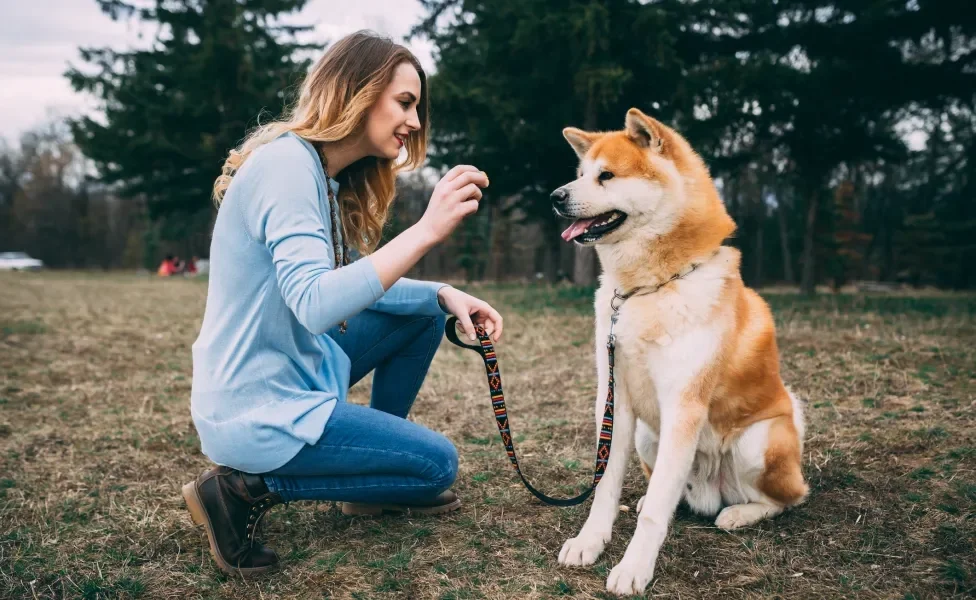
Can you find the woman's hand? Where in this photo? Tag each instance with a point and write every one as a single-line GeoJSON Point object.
{"type": "Point", "coordinates": [467, 308]}
{"type": "Point", "coordinates": [455, 196]}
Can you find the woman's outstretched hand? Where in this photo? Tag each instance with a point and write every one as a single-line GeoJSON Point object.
{"type": "Point", "coordinates": [455, 196]}
{"type": "Point", "coordinates": [471, 311]}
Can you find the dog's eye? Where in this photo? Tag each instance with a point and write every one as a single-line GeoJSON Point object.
{"type": "Point", "coordinates": [605, 176]}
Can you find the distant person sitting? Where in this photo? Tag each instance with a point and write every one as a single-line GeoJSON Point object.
{"type": "Point", "coordinates": [166, 268]}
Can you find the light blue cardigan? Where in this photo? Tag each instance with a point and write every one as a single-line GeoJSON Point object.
{"type": "Point", "coordinates": [265, 377]}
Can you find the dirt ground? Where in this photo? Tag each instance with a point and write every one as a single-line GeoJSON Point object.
{"type": "Point", "coordinates": [96, 440]}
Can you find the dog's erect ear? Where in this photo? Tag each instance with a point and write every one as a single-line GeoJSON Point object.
{"type": "Point", "coordinates": [580, 140]}
{"type": "Point", "coordinates": [647, 132]}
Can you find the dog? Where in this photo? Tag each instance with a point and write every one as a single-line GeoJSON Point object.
{"type": "Point", "coordinates": [698, 390]}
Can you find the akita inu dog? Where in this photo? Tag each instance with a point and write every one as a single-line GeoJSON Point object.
{"type": "Point", "coordinates": [697, 387]}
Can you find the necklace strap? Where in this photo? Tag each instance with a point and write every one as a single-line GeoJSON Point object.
{"type": "Point", "coordinates": [339, 253]}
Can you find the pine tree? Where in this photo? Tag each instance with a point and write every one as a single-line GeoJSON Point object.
{"type": "Point", "coordinates": [511, 74]}
{"type": "Point", "coordinates": [174, 110]}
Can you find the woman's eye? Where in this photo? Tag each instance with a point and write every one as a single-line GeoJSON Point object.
{"type": "Point", "coordinates": [606, 176]}
{"type": "Point", "coordinates": [405, 104]}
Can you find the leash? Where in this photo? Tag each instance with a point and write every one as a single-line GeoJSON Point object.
{"type": "Point", "coordinates": [487, 352]}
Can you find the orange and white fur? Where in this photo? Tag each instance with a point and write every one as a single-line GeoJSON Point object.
{"type": "Point", "coordinates": [698, 389]}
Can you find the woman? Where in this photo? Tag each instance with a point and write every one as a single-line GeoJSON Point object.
{"type": "Point", "coordinates": [291, 322]}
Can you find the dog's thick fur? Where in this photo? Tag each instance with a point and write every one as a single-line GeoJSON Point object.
{"type": "Point", "coordinates": [698, 389]}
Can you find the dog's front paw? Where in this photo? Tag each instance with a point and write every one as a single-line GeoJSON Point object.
{"type": "Point", "coordinates": [640, 504]}
{"type": "Point", "coordinates": [743, 515]}
{"type": "Point", "coordinates": [629, 577]}
{"type": "Point", "coordinates": [730, 518]}
{"type": "Point", "coordinates": [583, 549]}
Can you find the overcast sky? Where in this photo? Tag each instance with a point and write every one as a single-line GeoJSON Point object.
{"type": "Point", "coordinates": [39, 37]}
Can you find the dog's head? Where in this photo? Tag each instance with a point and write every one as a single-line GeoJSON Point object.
{"type": "Point", "coordinates": [642, 182]}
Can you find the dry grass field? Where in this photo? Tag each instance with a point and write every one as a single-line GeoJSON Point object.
{"type": "Point", "coordinates": [96, 440]}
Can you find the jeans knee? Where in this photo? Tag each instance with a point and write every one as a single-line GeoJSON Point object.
{"type": "Point", "coordinates": [445, 456]}
{"type": "Point", "coordinates": [429, 333]}
{"type": "Point", "coordinates": [437, 329]}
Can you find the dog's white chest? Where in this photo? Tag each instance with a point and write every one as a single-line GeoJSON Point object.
{"type": "Point", "coordinates": [662, 340]}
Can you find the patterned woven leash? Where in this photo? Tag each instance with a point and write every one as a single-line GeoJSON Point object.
{"type": "Point", "coordinates": [487, 352]}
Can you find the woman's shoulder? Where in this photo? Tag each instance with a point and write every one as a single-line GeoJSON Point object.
{"type": "Point", "coordinates": [282, 172]}
{"type": "Point", "coordinates": [285, 156]}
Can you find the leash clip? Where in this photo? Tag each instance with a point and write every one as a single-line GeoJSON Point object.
{"type": "Point", "coordinates": [613, 301]}
{"type": "Point", "coordinates": [615, 306]}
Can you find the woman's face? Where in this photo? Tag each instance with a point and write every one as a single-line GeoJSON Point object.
{"type": "Point", "coordinates": [394, 116]}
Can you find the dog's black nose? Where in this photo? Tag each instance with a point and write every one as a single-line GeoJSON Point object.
{"type": "Point", "coordinates": [559, 196]}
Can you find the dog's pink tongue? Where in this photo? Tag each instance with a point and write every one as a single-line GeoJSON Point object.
{"type": "Point", "coordinates": [577, 228]}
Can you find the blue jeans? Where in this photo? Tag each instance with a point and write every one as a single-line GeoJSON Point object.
{"type": "Point", "coordinates": [375, 454]}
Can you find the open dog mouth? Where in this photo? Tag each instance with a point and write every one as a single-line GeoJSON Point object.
{"type": "Point", "coordinates": [593, 228]}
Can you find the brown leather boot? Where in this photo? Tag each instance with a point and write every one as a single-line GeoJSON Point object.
{"type": "Point", "coordinates": [230, 504]}
{"type": "Point", "coordinates": [443, 503]}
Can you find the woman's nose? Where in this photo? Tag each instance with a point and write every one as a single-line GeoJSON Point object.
{"type": "Point", "coordinates": [413, 121]}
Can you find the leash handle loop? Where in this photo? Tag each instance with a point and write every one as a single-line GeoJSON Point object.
{"type": "Point", "coordinates": [487, 352]}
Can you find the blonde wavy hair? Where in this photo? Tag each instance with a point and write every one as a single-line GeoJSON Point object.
{"type": "Point", "coordinates": [334, 102]}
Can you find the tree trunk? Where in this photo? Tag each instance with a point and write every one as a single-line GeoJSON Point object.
{"type": "Point", "coordinates": [585, 264]}
{"type": "Point", "coordinates": [509, 267]}
{"type": "Point", "coordinates": [497, 243]}
{"type": "Point", "coordinates": [567, 260]}
{"type": "Point", "coordinates": [887, 231]}
{"type": "Point", "coordinates": [729, 193]}
{"type": "Point", "coordinates": [760, 221]}
{"type": "Point", "coordinates": [808, 281]}
{"type": "Point", "coordinates": [784, 240]}
{"type": "Point", "coordinates": [553, 250]}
